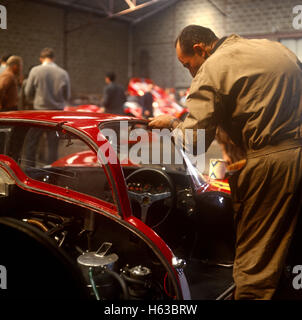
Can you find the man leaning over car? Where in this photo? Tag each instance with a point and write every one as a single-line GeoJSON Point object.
{"type": "Point", "coordinates": [252, 89]}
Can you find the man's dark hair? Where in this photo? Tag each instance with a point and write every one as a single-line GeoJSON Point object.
{"type": "Point", "coordinates": [193, 34]}
{"type": "Point", "coordinates": [5, 57]}
{"type": "Point", "coordinates": [111, 76]}
{"type": "Point", "coordinates": [47, 53]}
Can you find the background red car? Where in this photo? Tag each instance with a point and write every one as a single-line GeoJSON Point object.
{"type": "Point", "coordinates": [163, 102]}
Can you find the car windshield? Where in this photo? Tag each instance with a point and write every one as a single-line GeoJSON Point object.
{"type": "Point", "coordinates": [56, 157]}
{"type": "Point", "coordinates": [139, 147]}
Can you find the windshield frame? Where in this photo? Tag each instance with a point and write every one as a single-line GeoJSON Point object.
{"type": "Point", "coordinates": [99, 204]}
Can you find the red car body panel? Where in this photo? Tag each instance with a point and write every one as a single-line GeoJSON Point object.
{"type": "Point", "coordinates": [87, 124]}
{"type": "Point", "coordinates": [84, 108]}
{"type": "Point", "coordinates": [164, 104]}
{"type": "Point", "coordinates": [24, 182]}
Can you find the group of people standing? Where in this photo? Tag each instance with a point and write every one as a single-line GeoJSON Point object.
{"type": "Point", "coordinates": [47, 86]}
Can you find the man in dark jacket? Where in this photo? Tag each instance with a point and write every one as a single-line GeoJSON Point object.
{"type": "Point", "coordinates": [114, 95]}
{"type": "Point", "coordinates": [147, 102]}
{"type": "Point", "coordinates": [9, 80]}
{"type": "Point", "coordinates": [252, 89]}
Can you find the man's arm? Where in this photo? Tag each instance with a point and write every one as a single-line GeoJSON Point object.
{"type": "Point", "coordinates": [200, 103]}
{"type": "Point", "coordinates": [201, 106]}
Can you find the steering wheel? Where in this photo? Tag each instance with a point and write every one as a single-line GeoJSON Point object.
{"type": "Point", "coordinates": [154, 191]}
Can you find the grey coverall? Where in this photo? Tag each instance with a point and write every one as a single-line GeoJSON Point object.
{"type": "Point", "coordinates": [252, 88]}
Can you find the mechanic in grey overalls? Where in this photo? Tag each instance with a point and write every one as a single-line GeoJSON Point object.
{"type": "Point", "coordinates": [252, 89]}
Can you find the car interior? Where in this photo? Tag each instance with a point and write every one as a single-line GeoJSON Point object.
{"type": "Point", "coordinates": [197, 227]}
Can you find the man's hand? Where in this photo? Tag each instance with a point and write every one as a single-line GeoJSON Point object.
{"type": "Point", "coordinates": [163, 121]}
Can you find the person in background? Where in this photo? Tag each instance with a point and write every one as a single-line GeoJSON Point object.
{"type": "Point", "coordinates": [114, 95]}
{"type": "Point", "coordinates": [147, 102]}
{"type": "Point", "coordinates": [3, 63]}
{"type": "Point", "coordinates": [9, 81]}
{"type": "Point", "coordinates": [48, 85]}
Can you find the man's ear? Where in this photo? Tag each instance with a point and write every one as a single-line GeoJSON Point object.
{"type": "Point", "coordinates": [199, 49]}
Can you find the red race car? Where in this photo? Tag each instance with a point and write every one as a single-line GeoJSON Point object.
{"type": "Point", "coordinates": [80, 217]}
{"type": "Point", "coordinates": [85, 108]}
{"type": "Point", "coordinates": [163, 102]}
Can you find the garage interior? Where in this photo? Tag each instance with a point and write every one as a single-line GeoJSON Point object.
{"type": "Point", "coordinates": [96, 36]}
{"type": "Point", "coordinates": [135, 39]}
